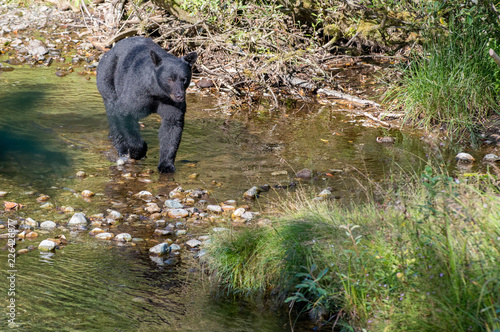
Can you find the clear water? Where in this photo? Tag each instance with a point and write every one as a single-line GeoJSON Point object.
{"type": "Point", "coordinates": [51, 127]}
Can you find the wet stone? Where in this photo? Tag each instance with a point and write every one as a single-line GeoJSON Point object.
{"type": "Point", "coordinates": [325, 193]}
{"type": "Point", "coordinates": [78, 219]}
{"type": "Point", "coordinates": [96, 231]}
{"type": "Point", "coordinates": [214, 208]}
{"type": "Point", "coordinates": [30, 222]}
{"type": "Point", "coordinates": [152, 208]}
{"type": "Point", "coordinates": [144, 195]}
{"type": "Point", "coordinates": [464, 158]}
{"type": "Point", "coordinates": [160, 249]}
{"type": "Point", "coordinates": [175, 247]}
{"type": "Point", "coordinates": [3, 193]}
{"type": "Point", "coordinates": [177, 213]}
{"type": "Point", "coordinates": [37, 47]}
{"type": "Point", "coordinates": [47, 245]}
{"type": "Point", "coordinates": [81, 174]}
{"type": "Point", "coordinates": [47, 206]}
{"type": "Point", "coordinates": [105, 236]}
{"type": "Point", "coordinates": [305, 174]}
{"type": "Point", "coordinates": [87, 193]}
{"type": "Point", "coordinates": [172, 204]}
{"type": "Point", "coordinates": [193, 243]}
{"type": "Point", "coordinates": [162, 232]}
{"type": "Point", "coordinates": [251, 193]}
{"type": "Point", "coordinates": [491, 158]}
{"type": "Point", "coordinates": [114, 215]}
{"type": "Point", "coordinates": [123, 237]}
{"type": "Point", "coordinates": [48, 225]}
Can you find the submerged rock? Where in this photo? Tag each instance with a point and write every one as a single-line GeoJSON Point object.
{"type": "Point", "coordinates": [105, 236]}
{"type": "Point", "coordinates": [172, 204]}
{"type": "Point", "coordinates": [87, 193]}
{"type": "Point", "coordinates": [464, 158]}
{"type": "Point", "coordinates": [177, 213]}
{"type": "Point", "coordinates": [96, 231]}
{"type": "Point", "coordinates": [160, 249]}
{"type": "Point", "coordinates": [325, 193]}
{"type": "Point", "coordinates": [81, 174]}
{"type": "Point", "coordinates": [123, 237]}
{"type": "Point", "coordinates": [193, 243]}
{"type": "Point", "coordinates": [251, 193]}
{"type": "Point", "coordinates": [491, 158]}
{"type": "Point", "coordinates": [114, 215]}
{"type": "Point", "coordinates": [152, 208]}
{"type": "Point", "coordinates": [386, 139]}
{"type": "Point", "coordinates": [144, 195]}
{"type": "Point", "coordinates": [48, 225]}
{"type": "Point", "coordinates": [47, 245]}
{"type": "Point", "coordinates": [214, 208]}
{"type": "Point", "coordinates": [30, 222]}
{"type": "Point", "coordinates": [305, 174]}
{"type": "Point", "coordinates": [78, 219]}
{"type": "Point", "coordinates": [37, 47]}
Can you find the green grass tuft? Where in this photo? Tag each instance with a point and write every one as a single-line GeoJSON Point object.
{"type": "Point", "coordinates": [425, 260]}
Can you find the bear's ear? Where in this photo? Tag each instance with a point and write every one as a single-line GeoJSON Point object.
{"type": "Point", "coordinates": [191, 58]}
{"type": "Point", "coordinates": [156, 58]}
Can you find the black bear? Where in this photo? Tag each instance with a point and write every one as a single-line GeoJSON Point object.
{"type": "Point", "coordinates": [136, 78]}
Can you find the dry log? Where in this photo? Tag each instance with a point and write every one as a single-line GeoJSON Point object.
{"type": "Point", "coordinates": [495, 57]}
{"type": "Point", "coordinates": [120, 36]}
{"type": "Point", "coordinates": [354, 99]}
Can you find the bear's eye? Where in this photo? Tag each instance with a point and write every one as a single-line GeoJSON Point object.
{"type": "Point", "coordinates": [170, 79]}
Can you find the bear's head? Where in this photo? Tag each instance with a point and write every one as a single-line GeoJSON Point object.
{"type": "Point", "coordinates": [173, 75]}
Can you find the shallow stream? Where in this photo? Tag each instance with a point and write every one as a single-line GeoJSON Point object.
{"type": "Point", "coordinates": [51, 127]}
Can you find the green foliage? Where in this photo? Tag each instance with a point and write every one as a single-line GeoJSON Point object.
{"type": "Point", "coordinates": [454, 83]}
{"type": "Point", "coordinates": [427, 260]}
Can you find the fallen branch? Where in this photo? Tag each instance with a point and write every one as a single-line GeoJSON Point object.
{"type": "Point", "coordinates": [383, 123]}
{"type": "Point", "coordinates": [120, 36]}
{"type": "Point", "coordinates": [354, 99]}
{"type": "Point", "coordinates": [494, 56]}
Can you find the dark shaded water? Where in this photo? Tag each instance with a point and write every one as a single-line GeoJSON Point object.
{"type": "Point", "coordinates": [51, 127]}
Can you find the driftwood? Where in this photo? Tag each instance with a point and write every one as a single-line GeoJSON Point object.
{"type": "Point", "coordinates": [120, 36]}
{"type": "Point", "coordinates": [345, 96]}
{"type": "Point", "coordinates": [495, 57]}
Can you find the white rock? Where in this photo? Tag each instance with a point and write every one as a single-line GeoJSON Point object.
{"type": "Point", "coordinates": [78, 219]}
{"type": "Point", "coordinates": [219, 229]}
{"type": "Point", "coordinates": [47, 245]}
{"type": "Point", "coordinates": [160, 249]}
{"type": "Point", "coordinates": [104, 236]}
{"type": "Point", "coordinates": [144, 195]}
{"type": "Point", "coordinates": [173, 204]}
{"type": "Point", "coordinates": [114, 215]}
{"type": "Point", "coordinates": [177, 213]}
{"type": "Point", "coordinates": [464, 158]}
{"type": "Point", "coordinates": [248, 216]}
{"type": "Point", "coordinates": [491, 157]}
{"type": "Point", "coordinates": [325, 193]}
{"type": "Point", "coordinates": [251, 193]}
{"type": "Point", "coordinates": [30, 222]}
{"type": "Point", "coordinates": [123, 237]}
{"type": "Point", "coordinates": [193, 243]}
{"type": "Point", "coordinates": [49, 224]}
{"type": "Point", "coordinates": [152, 208]}
{"type": "Point", "coordinates": [214, 208]}
{"type": "Point", "coordinates": [175, 247]}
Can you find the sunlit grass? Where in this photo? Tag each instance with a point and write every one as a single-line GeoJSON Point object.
{"type": "Point", "coordinates": [425, 260]}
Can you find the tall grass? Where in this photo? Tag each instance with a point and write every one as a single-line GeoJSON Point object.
{"type": "Point", "coordinates": [453, 84]}
{"type": "Point", "coordinates": [425, 260]}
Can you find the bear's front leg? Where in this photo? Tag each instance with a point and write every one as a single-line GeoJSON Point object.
{"type": "Point", "coordinates": [170, 134]}
{"type": "Point", "coordinates": [124, 130]}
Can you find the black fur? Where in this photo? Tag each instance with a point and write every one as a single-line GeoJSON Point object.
{"type": "Point", "coordinates": [136, 78]}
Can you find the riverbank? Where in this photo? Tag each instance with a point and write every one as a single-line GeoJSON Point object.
{"type": "Point", "coordinates": [423, 258]}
